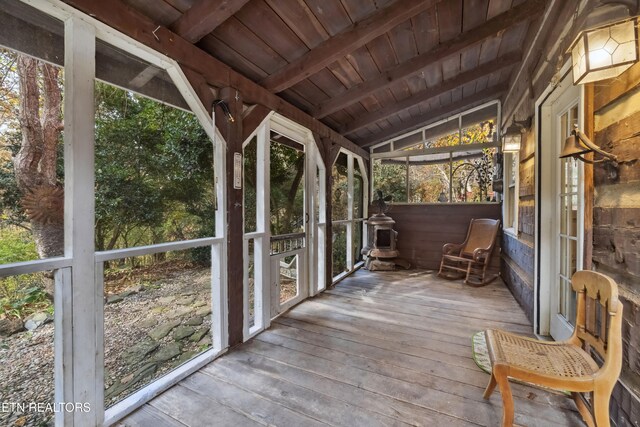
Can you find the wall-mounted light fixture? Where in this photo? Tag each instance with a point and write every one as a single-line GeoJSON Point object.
{"type": "Point", "coordinates": [512, 138]}
{"type": "Point", "coordinates": [605, 51]}
{"type": "Point", "coordinates": [578, 144]}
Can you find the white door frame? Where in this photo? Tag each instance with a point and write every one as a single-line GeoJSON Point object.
{"type": "Point", "coordinates": [546, 195]}
{"type": "Point", "coordinates": [312, 257]}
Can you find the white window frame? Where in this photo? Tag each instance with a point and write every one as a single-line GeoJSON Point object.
{"type": "Point", "coordinates": [399, 154]}
{"type": "Point", "coordinates": [509, 201]}
{"type": "Point", "coordinates": [79, 320]}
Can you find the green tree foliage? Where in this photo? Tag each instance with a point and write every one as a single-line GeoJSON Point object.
{"type": "Point", "coordinates": [154, 172]}
{"type": "Point", "coordinates": [429, 182]}
{"type": "Point", "coordinates": [287, 189]}
{"type": "Point", "coordinates": [339, 188]}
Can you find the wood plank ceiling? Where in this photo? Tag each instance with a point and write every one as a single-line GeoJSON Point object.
{"type": "Point", "coordinates": [369, 69]}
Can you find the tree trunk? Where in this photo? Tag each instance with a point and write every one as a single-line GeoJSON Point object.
{"type": "Point", "coordinates": [35, 163]}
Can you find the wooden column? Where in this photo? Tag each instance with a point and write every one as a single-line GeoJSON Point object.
{"type": "Point", "coordinates": [232, 134]}
{"type": "Point", "coordinates": [79, 305]}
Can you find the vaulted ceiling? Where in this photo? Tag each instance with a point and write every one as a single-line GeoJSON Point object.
{"type": "Point", "coordinates": [368, 69]}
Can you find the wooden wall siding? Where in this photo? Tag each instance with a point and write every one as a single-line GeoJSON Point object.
{"type": "Point", "coordinates": [546, 47]}
{"type": "Point", "coordinates": [518, 253]}
{"type": "Point", "coordinates": [616, 223]}
{"type": "Point", "coordinates": [424, 229]}
{"type": "Point", "coordinates": [517, 271]}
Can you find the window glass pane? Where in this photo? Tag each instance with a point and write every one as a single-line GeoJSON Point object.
{"type": "Point", "coordinates": [289, 279]}
{"type": "Point", "coordinates": [357, 242]}
{"type": "Point", "coordinates": [471, 179]}
{"type": "Point", "coordinates": [31, 142]}
{"type": "Point", "coordinates": [478, 127]}
{"type": "Point", "coordinates": [26, 352]}
{"type": "Point", "coordinates": [340, 190]}
{"type": "Point", "coordinates": [250, 156]}
{"type": "Point", "coordinates": [339, 254]}
{"type": "Point", "coordinates": [443, 135]}
{"type": "Point", "coordinates": [157, 315]}
{"type": "Point", "coordinates": [31, 207]}
{"type": "Point", "coordinates": [358, 190]}
{"type": "Point", "coordinates": [511, 209]}
{"type": "Point", "coordinates": [316, 195]}
{"type": "Point", "coordinates": [154, 162]}
{"type": "Point", "coordinates": [287, 185]}
{"type": "Point", "coordinates": [130, 73]}
{"type": "Point", "coordinates": [390, 177]}
{"type": "Point", "coordinates": [251, 280]}
{"type": "Point", "coordinates": [513, 169]}
{"type": "Point", "coordinates": [428, 183]}
{"type": "Point", "coordinates": [410, 142]}
{"type": "Point", "coordinates": [382, 149]}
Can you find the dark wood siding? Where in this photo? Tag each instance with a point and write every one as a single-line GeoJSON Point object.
{"type": "Point", "coordinates": [424, 229]}
{"type": "Point", "coordinates": [616, 223]}
{"type": "Point", "coordinates": [518, 253]}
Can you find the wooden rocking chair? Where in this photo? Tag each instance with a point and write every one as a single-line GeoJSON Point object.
{"type": "Point", "coordinates": [567, 365]}
{"type": "Point", "coordinates": [471, 258]}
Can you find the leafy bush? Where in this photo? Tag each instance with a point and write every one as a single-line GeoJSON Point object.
{"type": "Point", "coordinates": [22, 295]}
{"type": "Point", "coordinates": [16, 245]}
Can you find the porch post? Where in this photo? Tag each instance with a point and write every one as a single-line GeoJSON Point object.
{"type": "Point", "coordinates": [79, 349]}
{"type": "Point", "coordinates": [232, 133]}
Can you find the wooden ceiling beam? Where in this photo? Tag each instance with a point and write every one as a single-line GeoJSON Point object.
{"type": "Point", "coordinates": [116, 14]}
{"type": "Point", "coordinates": [461, 79]}
{"type": "Point", "coordinates": [501, 22]}
{"type": "Point", "coordinates": [489, 94]}
{"type": "Point", "coordinates": [204, 17]}
{"type": "Point", "coordinates": [546, 52]}
{"type": "Point", "coordinates": [199, 84]}
{"type": "Point", "coordinates": [345, 42]}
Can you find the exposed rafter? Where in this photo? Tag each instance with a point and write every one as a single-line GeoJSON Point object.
{"type": "Point", "coordinates": [491, 93]}
{"type": "Point", "coordinates": [513, 16]}
{"type": "Point", "coordinates": [432, 92]}
{"type": "Point", "coordinates": [118, 15]}
{"type": "Point", "coordinates": [204, 17]}
{"type": "Point", "coordinates": [347, 41]}
{"type": "Point", "coordinates": [546, 47]}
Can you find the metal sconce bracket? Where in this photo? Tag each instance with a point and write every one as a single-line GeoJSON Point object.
{"type": "Point", "coordinates": [225, 109]}
{"type": "Point", "coordinates": [578, 144]}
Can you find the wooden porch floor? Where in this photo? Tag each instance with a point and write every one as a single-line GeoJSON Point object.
{"type": "Point", "coordinates": [380, 349]}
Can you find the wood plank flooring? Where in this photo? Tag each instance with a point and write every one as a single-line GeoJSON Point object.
{"type": "Point", "coordinates": [380, 349]}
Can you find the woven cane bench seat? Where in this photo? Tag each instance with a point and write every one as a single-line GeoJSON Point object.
{"type": "Point", "coordinates": [544, 358]}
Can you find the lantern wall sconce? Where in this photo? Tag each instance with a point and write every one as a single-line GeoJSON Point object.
{"type": "Point", "coordinates": [604, 52]}
{"type": "Point", "coordinates": [512, 138]}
